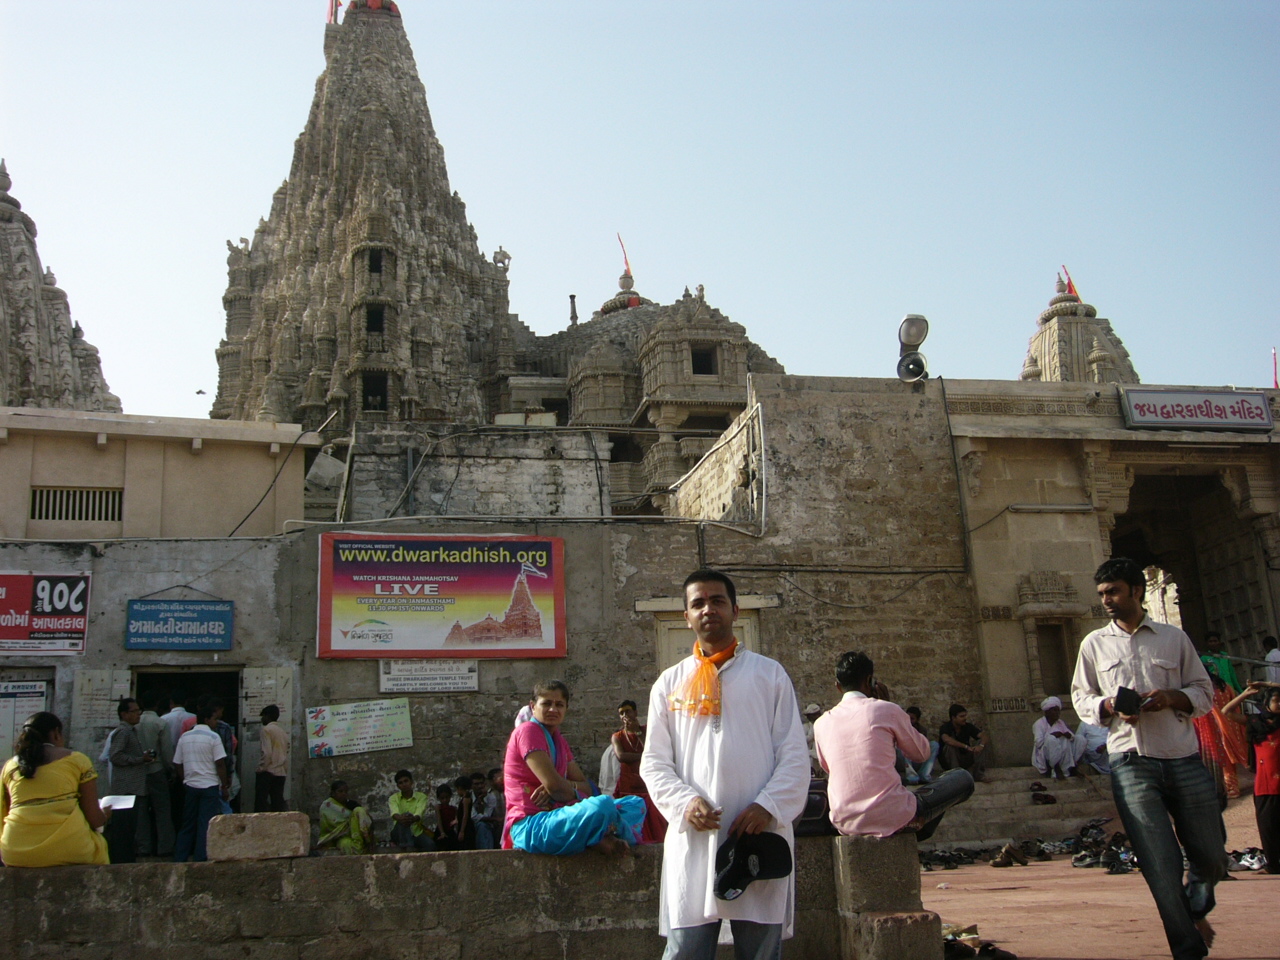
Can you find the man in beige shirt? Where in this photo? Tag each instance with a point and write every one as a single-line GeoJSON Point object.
{"type": "Point", "coordinates": [1144, 681]}
{"type": "Point", "coordinates": [273, 767]}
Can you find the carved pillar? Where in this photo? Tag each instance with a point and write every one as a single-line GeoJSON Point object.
{"type": "Point", "coordinates": [664, 462]}
{"type": "Point", "coordinates": [1106, 483]}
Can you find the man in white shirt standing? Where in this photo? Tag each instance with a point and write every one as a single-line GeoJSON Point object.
{"type": "Point", "coordinates": [726, 757]}
{"type": "Point", "coordinates": [1273, 659]}
{"type": "Point", "coordinates": [1144, 681]}
{"type": "Point", "coordinates": [199, 760]}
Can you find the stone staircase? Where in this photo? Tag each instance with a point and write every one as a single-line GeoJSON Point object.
{"type": "Point", "coordinates": [1001, 809]}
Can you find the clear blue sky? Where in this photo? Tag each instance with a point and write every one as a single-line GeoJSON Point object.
{"type": "Point", "coordinates": [822, 167]}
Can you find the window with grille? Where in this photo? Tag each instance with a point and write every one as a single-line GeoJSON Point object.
{"type": "Point", "coordinates": [76, 503]}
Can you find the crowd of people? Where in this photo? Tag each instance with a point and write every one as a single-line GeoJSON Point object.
{"type": "Point", "coordinates": [169, 772]}
{"type": "Point", "coordinates": [728, 758]}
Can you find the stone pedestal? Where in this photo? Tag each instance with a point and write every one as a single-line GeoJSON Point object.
{"type": "Point", "coordinates": [878, 901]}
{"type": "Point", "coordinates": [259, 836]}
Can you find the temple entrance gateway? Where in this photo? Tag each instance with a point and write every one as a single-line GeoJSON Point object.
{"type": "Point", "coordinates": [1189, 526]}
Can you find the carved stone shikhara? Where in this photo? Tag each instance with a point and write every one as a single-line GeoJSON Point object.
{"type": "Point", "coordinates": [364, 295]}
{"type": "Point", "coordinates": [44, 359]}
{"type": "Point", "coordinates": [1072, 344]}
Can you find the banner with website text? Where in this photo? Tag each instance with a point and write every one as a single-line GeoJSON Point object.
{"type": "Point", "coordinates": [403, 595]}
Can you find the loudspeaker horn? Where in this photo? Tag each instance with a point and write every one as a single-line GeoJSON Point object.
{"type": "Point", "coordinates": [912, 367]}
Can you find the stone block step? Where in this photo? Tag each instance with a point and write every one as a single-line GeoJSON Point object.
{"type": "Point", "coordinates": [997, 832]}
{"type": "Point", "coordinates": [1002, 809]}
{"type": "Point", "coordinates": [1056, 787]}
{"type": "Point", "coordinates": [976, 809]}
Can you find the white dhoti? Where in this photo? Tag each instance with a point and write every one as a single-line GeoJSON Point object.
{"type": "Point", "coordinates": [1052, 752]}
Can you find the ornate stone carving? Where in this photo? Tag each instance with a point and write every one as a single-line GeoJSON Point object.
{"type": "Point", "coordinates": [366, 280]}
{"type": "Point", "coordinates": [973, 471]}
{"type": "Point", "coordinates": [44, 359]}
{"type": "Point", "coordinates": [960, 405]}
{"type": "Point", "coordinates": [1072, 344]}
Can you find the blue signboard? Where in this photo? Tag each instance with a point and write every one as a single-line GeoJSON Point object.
{"type": "Point", "coordinates": [179, 625]}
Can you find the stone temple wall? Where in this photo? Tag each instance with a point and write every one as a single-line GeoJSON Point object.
{"type": "Point", "coordinates": [862, 541]}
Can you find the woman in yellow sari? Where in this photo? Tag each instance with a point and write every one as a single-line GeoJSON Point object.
{"type": "Point", "coordinates": [49, 801]}
{"type": "Point", "coordinates": [344, 824]}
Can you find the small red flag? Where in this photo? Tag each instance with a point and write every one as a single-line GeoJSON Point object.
{"type": "Point", "coordinates": [333, 11]}
{"type": "Point", "coordinates": [625, 262]}
{"type": "Point", "coordinates": [1275, 374]}
{"type": "Point", "coordinates": [1071, 287]}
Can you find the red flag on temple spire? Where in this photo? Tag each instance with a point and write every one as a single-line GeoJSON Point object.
{"type": "Point", "coordinates": [1275, 375]}
{"type": "Point", "coordinates": [333, 11]}
{"type": "Point", "coordinates": [1071, 286]}
{"type": "Point", "coordinates": [625, 262]}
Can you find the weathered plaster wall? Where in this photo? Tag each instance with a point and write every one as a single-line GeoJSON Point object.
{"type": "Point", "coordinates": [242, 570]}
{"type": "Point", "coordinates": [179, 477]}
{"type": "Point", "coordinates": [485, 471]}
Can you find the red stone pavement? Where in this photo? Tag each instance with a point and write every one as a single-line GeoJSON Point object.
{"type": "Point", "coordinates": [1053, 911]}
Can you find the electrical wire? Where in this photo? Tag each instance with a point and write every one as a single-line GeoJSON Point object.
{"type": "Point", "coordinates": [283, 463]}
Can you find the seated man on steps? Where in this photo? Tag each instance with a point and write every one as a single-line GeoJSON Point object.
{"type": "Point", "coordinates": [857, 742]}
{"type": "Point", "coordinates": [963, 744]}
{"type": "Point", "coordinates": [1057, 750]}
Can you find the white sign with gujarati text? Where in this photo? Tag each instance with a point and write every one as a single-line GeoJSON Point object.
{"type": "Point", "coordinates": [428, 676]}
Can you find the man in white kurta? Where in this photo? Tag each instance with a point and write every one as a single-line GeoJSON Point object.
{"type": "Point", "coordinates": [1056, 749]}
{"type": "Point", "coordinates": [742, 767]}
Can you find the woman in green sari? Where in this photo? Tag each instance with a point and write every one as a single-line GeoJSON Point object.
{"type": "Point", "coordinates": [344, 824]}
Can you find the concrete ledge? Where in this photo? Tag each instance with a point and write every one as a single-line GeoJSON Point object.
{"type": "Point", "coordinates": [471, 904]}
{"type": "Point", "coordinates": [259, 836]}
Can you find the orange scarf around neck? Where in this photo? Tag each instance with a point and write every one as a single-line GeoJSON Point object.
{"type": "Point", "coordinates": [700, 696]}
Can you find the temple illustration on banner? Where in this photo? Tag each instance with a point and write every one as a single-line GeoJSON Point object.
{"type": "Point", "coordinates": [522, 621]}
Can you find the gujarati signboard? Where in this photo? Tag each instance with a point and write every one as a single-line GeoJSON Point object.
{"type": "Point", "coordinates": [1196, 409]}
{"type": "Point", "coordinates": [179, 625]}
{"type": "Point", "coordinates": [341, 728]}
{"type": "Point", "coordinates": [44, 613]}
{"type": "Point", "coordinates": [402, 596]}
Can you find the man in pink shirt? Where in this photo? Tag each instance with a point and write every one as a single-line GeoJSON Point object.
{"type": "Point", "coordinates": [856, 743]}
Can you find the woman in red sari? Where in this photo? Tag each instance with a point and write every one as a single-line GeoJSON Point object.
{"type": "Point", "coordinates": [1222, 744]}
{"type": "Point", "coordinates": [628, 747]}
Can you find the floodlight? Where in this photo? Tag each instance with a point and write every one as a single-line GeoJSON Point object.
{"type": "Point", "coordinates": [911, 362]}
{"type": "Point", "coordinates": [913, 330]}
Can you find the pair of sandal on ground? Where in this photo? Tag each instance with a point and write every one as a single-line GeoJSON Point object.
{"type": "Point", "coordinates": [1038, 795]}
{"type": "Point", "coordinates": [955, 949]}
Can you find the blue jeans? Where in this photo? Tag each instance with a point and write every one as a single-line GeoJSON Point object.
{"type": "Point", "coordinates": [751, 941]}
{"type": "Point", "coordinates": [199, 806]}
{"type": "Point", "coordinates": [936, 798]}
{"type": "Point", "coordinates": [923, 773]}
{"type": "Point", "coordinates": [402, 836]}
{"type": "Point", "coordinates": [1148, 792]}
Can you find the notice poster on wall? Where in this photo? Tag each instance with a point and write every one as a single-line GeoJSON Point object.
{"type": "Point", "coordinates": [342, 728]}
{"type": "Point", "coordinates": [45, 613]}
{"type": "Point", "coordinates": [401, 596]}
{"type": "Point", "coordinates": [19, 700]}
